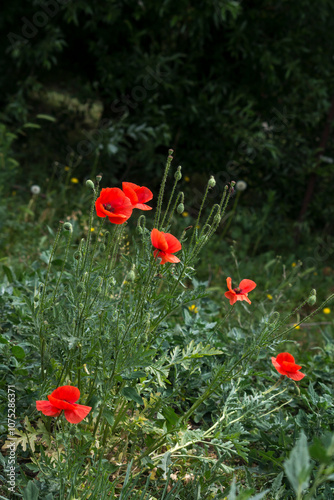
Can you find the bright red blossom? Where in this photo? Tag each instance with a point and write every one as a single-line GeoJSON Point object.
{"type": "Point", "coordinates": [113, 203]}
{"type": "Point", "coordinates": [138, 195]}
{"type": "Point", "coordinates": [241, 292]}
{"type": "Point", "coordinates": [285, 365]}
{"type": "Point", "coordinates": [166, 244]}
{"type": "Point", "coordinates": [64, 398]}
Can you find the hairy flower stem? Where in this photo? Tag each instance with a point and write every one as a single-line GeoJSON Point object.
{"type": "Point", "coordinates": [232, 214]}
{"type": "Point", "coordinates": [91, 215]}
{"type": "Point", "coordinates": [199, 214]}
{"type": "Point", "coordinates": [41, 307]}
{"type": "Point", "coordinates": [168, 205]}
{"type": "Point", "coordinates": [162, 189]}
{"type": "Point", "coordinates": [54, 295]}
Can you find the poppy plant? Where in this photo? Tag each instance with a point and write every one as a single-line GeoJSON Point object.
{"type": "Point", "coordinates": [166, 244]}
{"type": "Point", "coordinates": [241, 292]}
{"type": "Point", "coordinates": [113, 203]}
{"type": "Point", "coordinates": [285, 365]}
{"type": "Point", "coordinates": [64, 398]}
{"type": "Point", "coordinates": [138, 195]}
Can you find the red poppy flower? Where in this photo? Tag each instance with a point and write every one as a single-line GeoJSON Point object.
{"type": "Point", "coordinates": [113, 203]}
{"type": "Point", "coordinates": [285, 365]}
{"type": "Point", "coordinates": [166, 244]}
{"type": "Point", "coordinates": [138, 195]}
{"type": "Point", "coordinates": [241, 292]}
{"type": "Point", "coordinates": [64, 398]}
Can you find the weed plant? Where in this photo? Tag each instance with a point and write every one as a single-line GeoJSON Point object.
{"type": "Point", "coordinates": [181, 400]}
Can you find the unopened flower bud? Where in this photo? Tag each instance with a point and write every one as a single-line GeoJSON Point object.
{"type": "Point", "coordinates": [35, 189]}
{"type": "Point", "coordinates": [170, 152]}
{"type": "Point", "coordinates": [68, 226]}
{"type": "Point", "coordinates": [211, 182]}
{"type": "Point", "coordinates": [36, 298]}
{"type": "Point", "coordinates": [178, 175]}
{"type": "Point", "coordinates": [80, 287]}
{"type": "Point", "coordinates": [241, 186]}
{"type": "Point", "coordinates": [90, 184]}
{"type": "Point", "coordinates": [77, 255]}
{"type": "Point", "coordinates": [99, 177]}
{"type": "Point", "coordinates": [217, 219]}
{"type": "Point", "coordinates": [180, 208]}
{"type": "Point", "coordinates": [312, 298]}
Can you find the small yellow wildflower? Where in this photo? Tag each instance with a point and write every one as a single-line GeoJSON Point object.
{"type": "Point", "coordinates": [293, 264]}
{"type": "Point", "coordinates": [67, 169]}
{"type": "Point", "coordinates": [186, 178]}
{"type": "Point", "coordinates": [297, 327]}
{"type": "Point", "coordinates": [92, 229]}
{"type": "Point", "coordinates": [13, 193]}
{"type": "Point", "coordinates": [185, 214]}
{"type": "Point", "coordinates": [193, 308]}
{"type": "Point", "coordinates": [74, 180]}
{"type": "Point", "coordinates": [315, 274]}
{"type": "Point", "coordinates": [270, 297]}
{"type": "Point", "coordinates": [326, 310]}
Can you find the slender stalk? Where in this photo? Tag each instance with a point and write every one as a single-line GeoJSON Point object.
{"type": "Point", "coordinates": [162, 189]}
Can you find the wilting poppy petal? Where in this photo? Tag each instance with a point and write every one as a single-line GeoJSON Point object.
{"type": "Point", "coordinates": [47, 409]}
{"type": "Point", "coordinates": [229, 284]}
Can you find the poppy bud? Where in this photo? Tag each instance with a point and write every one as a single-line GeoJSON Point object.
{"type": "Point", "coordinates": [68, 226]}
{"type": "Point", "coordinates": [99, 177]}
{"type": "Point", "coordinates": [36, 298]}
{"type": "Point", "coordinates": [211, 182]}
{"type": "Point", "coordinates": [140, 229]}
{"type": "Point", "coordinates": [103, 247]}
{"type": "Point", "coordinates": [178, 175]}
{"type": "Point", "coordinates": [170, 152]}
{"type": "Point", "coordinates": [80, 287]}
{"type": "Point", "coordinates": [312, 298]}
{"type": "Point", "coordinates": [180, 208]}
{"type": "Point", "coordinates": [217, 218]}
{"type": "Point", "coordinates": [90, 184]}
{"type": "Point", "coordinates": [77, 255]}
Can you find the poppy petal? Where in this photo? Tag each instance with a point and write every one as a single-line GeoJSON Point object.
{"type": "Point", "coordinates": [129, 191]}
{"type": "Point", "coordinates": [141, 206]}
{"type": "Point", "coordinates": [229, 283]}
{"type": "Point", "coordinates": [169, 257]}
{"type": "Point", "coordinates": [79, 413]}
{"type": "Point", "coordinates": [69, 393]}
{"type": "Point", "coordinates": [173, 243]}
{"type": "Point", "coordinates": [296, 376]}
{"type": "Point", "coordinates": [158, 240]}
{"type": "Point", "coordinates": [247, 286]}
{"type": "Point", "coordinates": [285, 356]}
{"type": "Point", "coordinates": [60, 404]}
{"type": "Point", "coordinates": [144, 194]}
{"type": "Point", "coordinates": [47, 409]}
